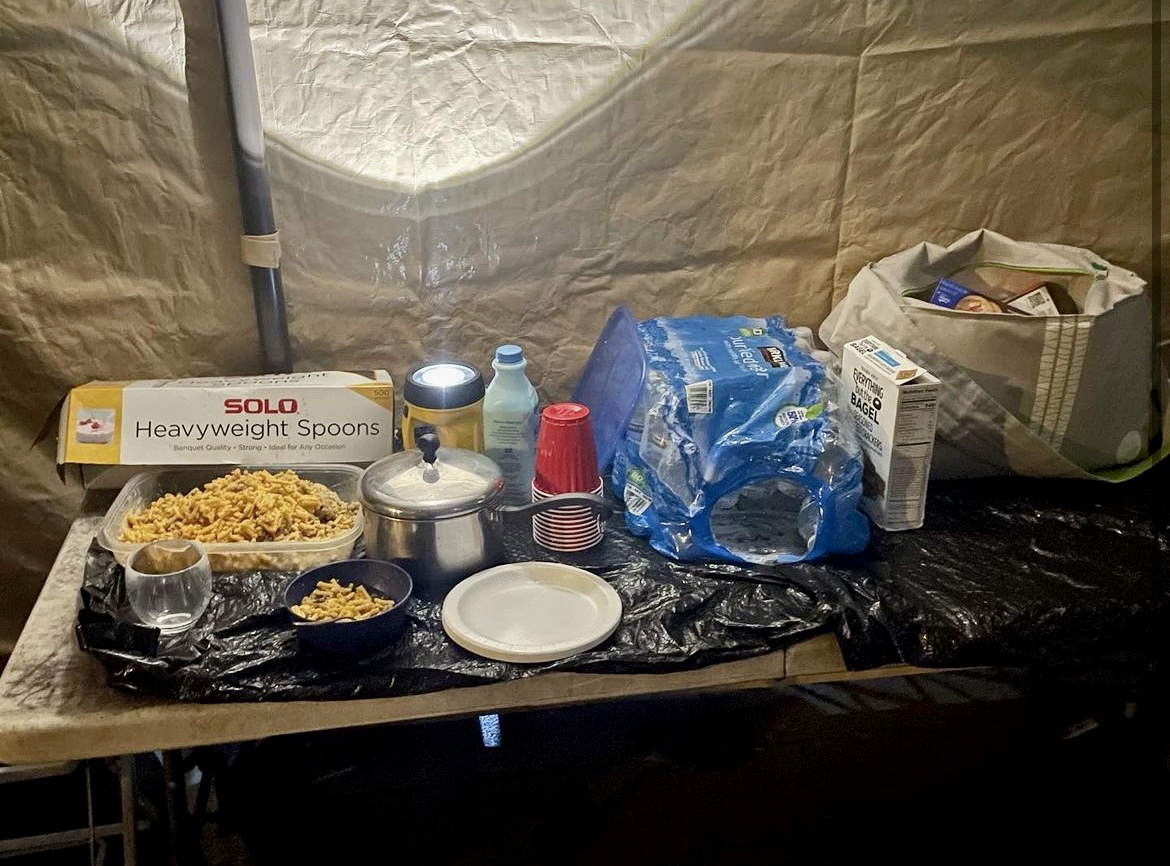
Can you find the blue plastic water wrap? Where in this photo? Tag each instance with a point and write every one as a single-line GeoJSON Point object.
{"type": "Point", "coordinates": [736, 451]}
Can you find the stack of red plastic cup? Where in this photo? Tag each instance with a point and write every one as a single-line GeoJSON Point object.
{"type": "Point", "coordinates": [566, 462]}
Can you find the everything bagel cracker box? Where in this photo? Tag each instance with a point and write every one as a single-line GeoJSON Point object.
{"type": "Point", "coordinates": [319, 417]}
{"type": "Point", "coordinates": [894, 406]}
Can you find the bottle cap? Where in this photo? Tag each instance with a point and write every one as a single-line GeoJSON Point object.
{"type": "Point", "coordinates": [509, 354]}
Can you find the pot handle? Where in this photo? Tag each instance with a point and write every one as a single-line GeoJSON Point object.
{"type": "Point", "coordinates": [561, 500]}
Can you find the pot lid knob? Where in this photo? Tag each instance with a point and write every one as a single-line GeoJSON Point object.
{"type": "Point", "coordinates": [427, 442]}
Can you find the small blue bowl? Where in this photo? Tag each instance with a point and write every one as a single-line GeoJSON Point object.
{"type": "Point", "coordinates": [384, 579]}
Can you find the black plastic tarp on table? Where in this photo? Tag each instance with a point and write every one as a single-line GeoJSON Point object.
{"type": "Point", "coordinates": [1006, 572]}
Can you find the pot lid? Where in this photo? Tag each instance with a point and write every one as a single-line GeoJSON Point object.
{"type": "Point", "coordinates": [431, 482]}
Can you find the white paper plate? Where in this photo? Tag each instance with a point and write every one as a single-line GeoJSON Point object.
{"type": "Point", "coordinates": [531, 612]}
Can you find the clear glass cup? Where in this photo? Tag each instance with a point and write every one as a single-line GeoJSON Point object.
{"type": "Point", "coordinates": [168, 584]}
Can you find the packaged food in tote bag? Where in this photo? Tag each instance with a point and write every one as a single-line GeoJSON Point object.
{"type": "Point", "coordinates": [1067, 389]}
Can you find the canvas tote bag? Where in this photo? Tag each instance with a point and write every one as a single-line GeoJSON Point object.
{"type": "Point", "coordinates": [1069, 395]}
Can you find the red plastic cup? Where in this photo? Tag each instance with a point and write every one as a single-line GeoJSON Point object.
{"type": "Point", "coordinates": [566, 456]}
{"type": "Point", "coordinates": [566, 462]}
{"type": "Point", "coordinates": [566, 542]}
{"type": "Point", "coordinates": [538, 494]}
{"type": "Point", "coordinates": [568, 521]}
{"type": "Point", "coordinates": [581, 528]}
{"type": "Point", "coordinates": [585, 536]}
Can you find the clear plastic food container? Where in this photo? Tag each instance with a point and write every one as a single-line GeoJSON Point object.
{"type": "Point", "coordinates": [144, 488]}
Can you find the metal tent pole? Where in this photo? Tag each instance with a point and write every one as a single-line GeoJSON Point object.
{"type": "Point", "coordinates": [261, 247]}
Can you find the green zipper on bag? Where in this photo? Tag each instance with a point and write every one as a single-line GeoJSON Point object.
{"type": "Point", "coordinates": [1133, 470]}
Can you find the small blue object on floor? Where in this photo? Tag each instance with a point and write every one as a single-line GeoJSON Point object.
{"type": "Point", "coordinates": [489, 731]}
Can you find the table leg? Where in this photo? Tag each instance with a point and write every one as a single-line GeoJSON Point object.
{"type": "Point", "coordinates": [184, 843]}
{"type": "Point", "coordinates": [90, 824]}
{"type": "Point", "coordinates": [129, 820]}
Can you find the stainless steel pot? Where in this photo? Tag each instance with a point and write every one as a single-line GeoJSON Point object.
{"type": "Point", "coordinates": [438, 513]}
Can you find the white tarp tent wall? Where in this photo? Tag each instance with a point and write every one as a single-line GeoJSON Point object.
{"type": "Point", "coordinates": [450, 176]}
